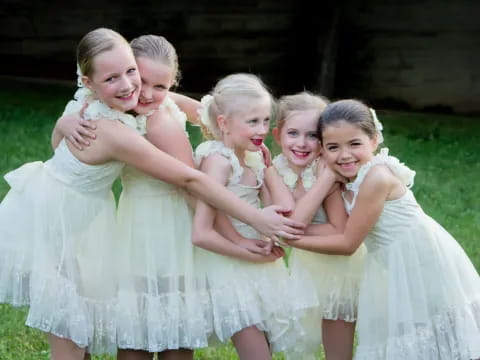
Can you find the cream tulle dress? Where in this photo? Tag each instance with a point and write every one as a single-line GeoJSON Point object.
{"type": "Point", "coordinates": [162, 302]}
{"type": "Point", "coordinates": [420, 294]}
{"type": "Point", "coordinates": [245, 294]}
{"type": "Point", "coordinates": [336, 278]}
{"type": "Point", "coordinates": [57, 235]}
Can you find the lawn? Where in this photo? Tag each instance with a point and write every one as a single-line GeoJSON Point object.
{"type": "Point", "coordinates": [443, 149]}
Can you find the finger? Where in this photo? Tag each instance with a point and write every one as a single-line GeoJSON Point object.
{"type": "Point", "coordinates": [84, 132]}
{"type": "Point", "coordinates": [79, 138]}
{"type": "Point", "coordinates": [72, 140]}
{"type": "Point", "coordinates": [293, 230]}
{"type": "Point", "coordinates": [293, 223]}
{"type": "Point", "coordinates": [289, 236]}
{"type": "Point", "coordinates": [88, 124]}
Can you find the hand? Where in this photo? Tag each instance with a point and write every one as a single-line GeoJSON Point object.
{"type": "Point", "coordinates": [259, 258]}
{"type": "Point", "coordinates": [267, 156]}
{"type": "Point", "coordinates": [256, 246]}
{"type": "Point", "coordinates": [326, 173]}
{"type": "Point", "coordinates": [76, 130]}
{"type": "Point", "coordinates": [271, 224]}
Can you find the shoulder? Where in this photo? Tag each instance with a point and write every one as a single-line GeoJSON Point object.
{"type": "Point", "coordinates": [218, 167]}
{"type": "Point", "coordinates": [378, 181]}
{"type": "Point", "coordinates": [216, 160]}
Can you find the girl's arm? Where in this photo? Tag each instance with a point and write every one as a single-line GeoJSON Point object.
{"type": "Point", "coordinates": [308, 205]}
{"type": "Point", "coordinates": [166, 133]}
{"type": "Point", "coordinates": [336, 215]}
{"type": "Point", "coordinates": [73, 128]}
{"type": "Point", "coordinates": [276, 190]}
{"type": "Point", "coordinates": [369, 205]}
{"type": "Point", "coordinates": [203, 234]}
{"type": "Point", "coordinates": [123, 144]}
{"type": "Point", "coordinates": [188, 105]}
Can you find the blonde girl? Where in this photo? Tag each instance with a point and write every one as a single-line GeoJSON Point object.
{"type": "Point", "coordinates": [250, 296]}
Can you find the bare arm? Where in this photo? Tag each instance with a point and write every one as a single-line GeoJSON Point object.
{"type": "Point", "coordinates": [336, 215]}
{"type": "Point", "coordinates": [369, 205]}
{"type": "Point", "coordinates": [73, 128]}
{"type": "Point", "coordinates": [308, 205]}
{"type": "Point", "coordinates": [278, 192]}
{"type": "Point", "coordinates": [188, 105]}
{"type": "Point", "coordinates": [204, 234]}
{"type": "Point", "coordinates": [123, 144]}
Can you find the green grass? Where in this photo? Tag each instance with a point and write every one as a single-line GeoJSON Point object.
{"type": "Point", "coordinates": [442, 149]}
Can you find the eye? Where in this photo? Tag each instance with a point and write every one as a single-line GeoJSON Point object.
{"type": "Point", "coordinates": [312, 135]}
{"type": "Point", "coordinates": [253, 121]}
{"type": "Point", "coordinates": [331, 147]}
{"type": "Point", "coordinates": [292, 133]}
{"type": "Point", "coordinates": [131, 71]}
{"type": "Point", "coordinates": [356, 143]}
{"type": "Point", "coordinates": [110, 79]}
{"type": "Point", "coordinates": [160, 87]}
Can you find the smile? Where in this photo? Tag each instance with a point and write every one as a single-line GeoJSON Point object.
{"type": "Point", "coordinates": [348, 166]}
{"type": "Point", "coordinates": [257, 142]}
{"type": "Point", "coordinates": [127, 97]}
{"type": "Point", "coordinates": [301, 154]}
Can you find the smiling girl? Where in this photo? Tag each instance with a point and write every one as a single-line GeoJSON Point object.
{"type": "Point", "coordinates": [420, 294]}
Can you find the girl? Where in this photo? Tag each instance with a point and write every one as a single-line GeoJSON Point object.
{"type": "Point", "coordinates": [57, 223]}
{"type": "Point", "coordinates": [248, 297]}
{"type": "Point", "coordinates": [337, 278]}
{"type": "Point", "coordinates": [420, 294]}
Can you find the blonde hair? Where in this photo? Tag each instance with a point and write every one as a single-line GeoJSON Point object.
{"type": "Point", "coordinates": [304, 101]}
{"type": "Point", "coordinates": [226, 96]}
{"type": "Point", "coordinates": [156, 47]}
{"type": "Point", "coordinates": [94, 43]}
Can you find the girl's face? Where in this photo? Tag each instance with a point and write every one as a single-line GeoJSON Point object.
{"type": "Point", "coordinates": [157, 78]}
{"type": "Point", "coordinates": [246, 127]}
{"type": "Point", "coordinates": [298, 139]}
{"type": "Point", "coordinates": [346, 148]}
{"type": "Point", "coordinates": [115, 79]}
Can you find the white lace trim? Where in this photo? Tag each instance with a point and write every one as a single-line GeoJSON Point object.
{"type": "Point", "coordinates": [400, 170]}
{"type": "Point", "coordinates": [443, 337]}
{"type": "Point", "coordinates": [98, 109]}
{"type": "Point", "coordinates": [178, 114]}
{"type": "Point", "coordinates": [211, 147]}
{"type": "Point", "coordinates": [290, 178]}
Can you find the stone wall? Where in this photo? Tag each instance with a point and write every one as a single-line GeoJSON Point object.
{"type": "Point", "coordinates": [413, 54]}
{"type": "Point", "coordinates": [419, 54]}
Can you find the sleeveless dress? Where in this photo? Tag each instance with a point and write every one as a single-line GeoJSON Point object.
{"type": "Point", "coordinates": [243, 293]}
{"type": "Point", "coordinates": [337, 278]}
{"type": "Point", "coordinates": [57, 232]}
{"type": "Point", "coordinates": [162, 300]}
{"type": "Point", "coordinates": [420, 294]}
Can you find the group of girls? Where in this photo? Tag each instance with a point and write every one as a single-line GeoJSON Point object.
{"type": "Point", "coordinates": [99, 279]}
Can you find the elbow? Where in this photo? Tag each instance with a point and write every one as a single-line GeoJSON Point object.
{"type": "Point", "coordinates": [349, 249]}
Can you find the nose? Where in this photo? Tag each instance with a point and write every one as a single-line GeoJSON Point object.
{"type": "Point", "coordinates": [126, 83]}
{"type": "Point", "coordinates": [344, 154]}
{"type": "Point", "coordinates": [301, 141]}
{"type": "Point", "coordinates": [146, 92]}
{"type": "Point", "coordinates": [262, 129]}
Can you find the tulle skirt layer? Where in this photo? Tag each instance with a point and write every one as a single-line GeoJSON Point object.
{"type": "Point", "coordinates": [56, 256]}
{"type": "Point", "coordinates": [163, 303]}
{"type": "Point", "coordinates": [419, 299]}
{"type": "Point", "coordinates": [244, 294]}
